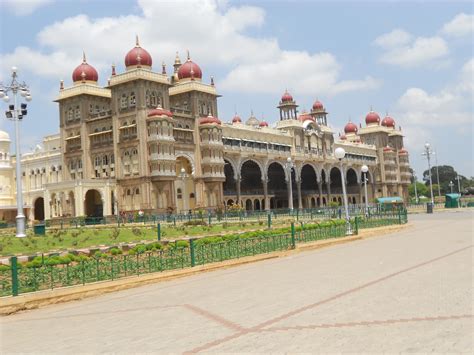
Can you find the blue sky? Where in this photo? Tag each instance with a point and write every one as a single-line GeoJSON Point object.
{"type": "Point", "coordinates": [412, 59]}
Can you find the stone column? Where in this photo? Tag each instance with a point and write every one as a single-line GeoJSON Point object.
{"type": "Point", "coordinates": [320, 188]}
{"type": "Point", "coordinates": [298, 187]}
{"type": "Point", "coordinates": [328, 186]}
{"type": "Point", "coordinates": [265, 194]}
{"type": "Point", "coordinates": [237, 185]}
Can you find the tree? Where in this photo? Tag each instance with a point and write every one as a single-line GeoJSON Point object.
{"type": "Point", "coordinates": [421, 188]}
{"type": "Point", "coordinates": [446, 174]}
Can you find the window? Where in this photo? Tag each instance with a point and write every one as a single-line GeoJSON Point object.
{"type": "Point", "coordinates": [123, 101]}
{"type": "Point", "coordinates": [179, 193]}
{"type": "Point", "coordinates": [137, 191]}
{"type": "Point", "coordinates": [133, 100]}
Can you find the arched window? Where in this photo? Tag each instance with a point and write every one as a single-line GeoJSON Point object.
{"type": "Point", "coordinates": [112, 159]}
{"type": "Point", "coordinates": [123, 101]}
{"type": "Point", "coordinates": [133, 100]}
{"type": "Point", "coordinates": [105, 160]}
{"type": "Point", "coordinates": [153, 99]}
{"type": "Point", "coordinates": [128, 192]}
{"type": "Point", "coordinates": [137, 191]}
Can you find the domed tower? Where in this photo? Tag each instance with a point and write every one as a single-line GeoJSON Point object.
{"type": "Point", "coordinates": [318, 112]}
{"type": "Point", "coordinates": [287, 107]}
{"type": "Point", "coordinates": [350, 131]}
{"type": "Point", "coordinates": [138, 57]}
{"type": "Point", "coordinates": [85, 73]}
{"type": "Point", "coordinates": [6, 174]}
{"type": "Point", "coordinates": [252, 120]}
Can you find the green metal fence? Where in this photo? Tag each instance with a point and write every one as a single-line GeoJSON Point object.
{"type": "Point", "coordinates": [16, 279]}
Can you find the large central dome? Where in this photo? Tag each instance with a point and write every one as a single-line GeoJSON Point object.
{"type": "Point", "coordinates": [189, 70]}
{"type": "Point", "coordinates": [137, 56]}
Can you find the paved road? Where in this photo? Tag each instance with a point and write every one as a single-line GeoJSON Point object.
{"type": "Point", "coordinates": [405, 292]}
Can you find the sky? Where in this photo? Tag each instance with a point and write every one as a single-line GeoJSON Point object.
{"type": "Point", "coordinates": [411, 59]}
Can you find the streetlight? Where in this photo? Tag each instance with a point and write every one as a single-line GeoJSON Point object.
{"type": "Point", "coordinates": [458, 178]}
{"type": "Point", "coordinates": [289, 166]}
{"type": "Point", "coordinates": [16, 114]}
{"type": "Point", "coordinates": [428, 152]}
{"type": "Point", "coordinates": [340, 153]}
{"type": "Point", "coordinates": [416, 192]}
{"type": "Point", "coordinates": [451, 186]}
{"type": "Point", "coordinates": [183, 176]}
{"type": "Point", "coordinates": [365, 169]}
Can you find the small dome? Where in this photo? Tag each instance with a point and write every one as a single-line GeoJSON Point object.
{"type": "Point", "coordinates": [286, 97]}
{"type": "Point", "coordinates": [138, 56]}
{"type": "Point", "coordinates": [84, 72]}
{"type": "Point", "coordinates": [388, 122]}
{"type": "Point", "coordinates": [209, 120]}
{"type": "Point", "coordinates": [4, 136]}
{"type": "Point", "coordinates": [372, 117]}
{"type": "Point", "coordinates": [343, 137]}
{"type": "Point", "coordinates": [318, 105]}
{"type": "Point", "coordinates": [305, 117]}
{"type": "Point", "coordinates": [402, 151]}
{"type": "Point", "coordinates": [236, 119]}
{"type": "Point", "coordinates": [350, 128]}
{"type": "Point", "coordinates": [263, 124]}
{"type": "Point", "coordinates": [189, 70]}
{"type": "Point", "coordinates": [387, 149]}
{"type": "Point", "coordinates": [159, 111]}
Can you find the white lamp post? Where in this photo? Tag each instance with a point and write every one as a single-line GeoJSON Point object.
{"type": "Point", "coordinates": [416, 192]}
{"type": "Point", "coordinates": [365, 169]}
{"type": "Point", "coordinates": [451, 184]}
{"type": "Point", "coordinates": [289, 166]}
{"type": "Point", "coordinates": [458, 178]}
{"type": "Point", "coordinates": [16, 114]}
{"type": "Point", "coordinates": [340, 153]}
{"type": "Point", "coordinates": [428, 153]}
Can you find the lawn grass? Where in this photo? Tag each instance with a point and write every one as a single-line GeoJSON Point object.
{"type": "Point", "coordinates": [56, 239]}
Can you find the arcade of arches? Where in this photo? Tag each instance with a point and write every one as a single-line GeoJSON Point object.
{"type": "Point", "coordinates": [256, 187]}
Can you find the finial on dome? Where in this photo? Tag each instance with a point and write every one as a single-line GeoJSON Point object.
{"type": "Point", "coordinates": [137, 42]}
{"type": "Point", "coordinates": [177, 60]}
{"type": "Point", "coordinates": [371, 108]}
{"type": "Point", "coordinates": [61, 85]}
{"type": "Point", "coordinates": [163, 68]}
{"type": "Point", "coordinates": [212, 80]}
{"type": "Point", "coordinates": [188, 55]}
{"type": "Point", "coordinates": [84, 57]}
{"type": "Point", "coordinates": [113, 70]}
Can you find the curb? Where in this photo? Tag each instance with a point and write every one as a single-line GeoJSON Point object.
{"type": "Point", "coordinates": [28, 301]}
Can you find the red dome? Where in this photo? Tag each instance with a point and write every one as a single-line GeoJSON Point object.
{"type": "Point", "coordinates": [387, 149]}
{"type": "Point", "coordinates": [350, 128]}
{"type": "Point", "coordinates": [209, 120]}
{"type": "Point", "coordinates": [236, 119]}
{"type": "Point", "coordinates": [343, 137]}
{"type": "Point", "coordinates": [305, 117]}
{"type": "Point", "coordinates": [189, 69]}
{"type": "Point", "coordinates": [403, 151]}
{"type": "Point", "coordinates": [388, 122]}
{"type": "Point", "coordinates": [372, 117]}
{"type": "Point", "coordinates": [286, 97]}
{"type": "Point", "coordinates": [159, 111]}
{"type": "Point", "coordinates": [84, 72]}
{"type": "Point", "coordinates": [138, 56]}
{"type": "Point", "coordinates": [263, 124]}
{"type": "Point", "coordinates": [318, 105]}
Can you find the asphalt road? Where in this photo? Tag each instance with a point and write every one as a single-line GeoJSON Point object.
{"type": "Point", "coordinates": [410, 291]}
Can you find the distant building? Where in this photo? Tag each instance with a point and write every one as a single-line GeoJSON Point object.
{"type": "Point", "coordinates": [152, 142]}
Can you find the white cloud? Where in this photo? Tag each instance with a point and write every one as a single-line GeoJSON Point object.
{"type": "Point", "coordinates": [461, 25]}
{"type": "Point", "coordinates": [320, 74]}
{"type": "Point", "coordinates": [396, 38]}
{"type": "Point", "coordinates": [24, 7]}
{"type": "Point", "coordinates": [215, 33]}
{"type": "Point", "coordinates": [402, 49]}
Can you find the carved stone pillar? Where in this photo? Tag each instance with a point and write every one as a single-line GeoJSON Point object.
{"type": "Point", "coordinates": [298, 187]}
{"type": "Point", "coordinates": [237, 186]}
{"type": "Point", "coordinates": [320, 189]}
{"type": "Point", "coordinates": [265, 194]}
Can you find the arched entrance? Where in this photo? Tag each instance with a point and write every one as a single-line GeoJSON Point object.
{"type": "Point", "coordinates": [352, 184]}
{"type": "Point", "coordinates": [251, 181]}
{"type": "Point", "coordinates": [229, 186]}
{"type": "Point", "coordinates": [308, 185]}
{"type": "Point", "coordinates": [93, 204]}
{"type": "Point", "coordinates": [277, 186]}
{"type": "Point", "coordinates": [39, 209]}
{"type": "Point", "coordinates": [184, 185]}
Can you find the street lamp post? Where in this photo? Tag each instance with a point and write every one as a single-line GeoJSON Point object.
{"type": "Point", "coordinates": [183, 177]}
{"type": "Point", "coordinates": [428, 153]}
{"type": "Point", "coordinates": [289, 166]}
{"type": "Point", "coordinates": [437, 174]}
{"type": "Point", "coordinates": [416, 191]}
{"type": "Point", "coordinates": [365, 169]}
{"type": "Point", "coordinates": [340, 153]}
{"type": "Point", "coordinates": [451, 184]}
{"type": "Point", "coordinates": [458, 178]}
{"type": "Point", "coordinates": [16, 114]}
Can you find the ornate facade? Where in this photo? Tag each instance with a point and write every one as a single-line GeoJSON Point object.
{"type": "Point", "coordinates": [151, 141]}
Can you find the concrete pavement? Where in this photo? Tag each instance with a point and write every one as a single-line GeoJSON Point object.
{"type": "Point", "coordinates": [409, 291]}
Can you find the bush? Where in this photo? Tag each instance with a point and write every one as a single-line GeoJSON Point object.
{"type": "Point", "coordinates": [196, 222]}
{"type": "Point", "coordinates": [115, 251]}
{"type": "Point", "coordinates": [4, 268]}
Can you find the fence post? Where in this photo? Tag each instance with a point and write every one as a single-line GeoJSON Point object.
{"type": "Point", "coordinates": [158, 227]}
{"type": "Point", "coordinates": [209, 218]}
{"type": "Point", "coordinates": [269, 220]}
{"type": "Point", "coordinates": [298, 214]}
{"type": "Point", "coordinates": [293, 242]}
{"type": "Point", "coordinates": [356, 219]}
{"type": "Point", "coordinates": [399, 217]}
{"type": "Point", "coordinates": [174, 221]}
{"type": "Point", "coordinates": [191, 249]}
{"type": "Point", "coordinates": [14, 267]}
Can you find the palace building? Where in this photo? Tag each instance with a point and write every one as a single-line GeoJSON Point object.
{"type": "Point", "coordinates": [152, 141]}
